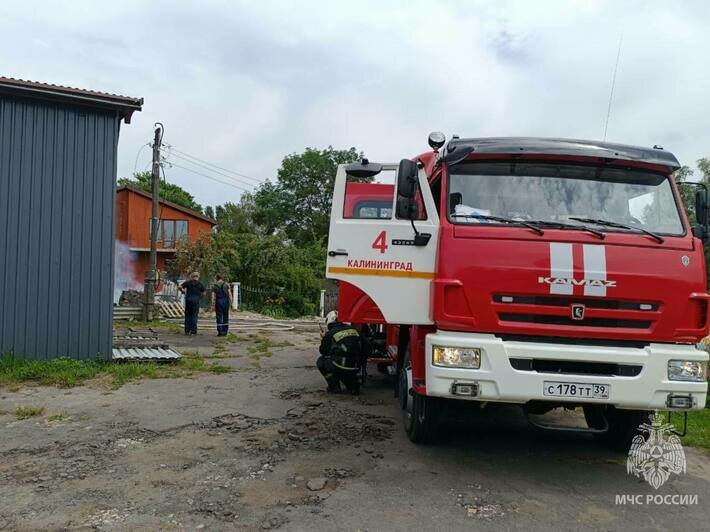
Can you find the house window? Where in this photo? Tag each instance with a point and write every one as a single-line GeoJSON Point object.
{"type": "Point", "coordinates": [168, 235]}
{"type": "Point", "coordinates": [180, 229]}
{"type": "Point", "coordinates": [171, 231]}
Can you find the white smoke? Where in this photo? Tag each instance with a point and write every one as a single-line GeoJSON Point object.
{"type": "Point", "coordinates": [125, 271]}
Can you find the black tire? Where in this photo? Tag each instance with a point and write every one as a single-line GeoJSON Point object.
{"type": "Point", "coordinates": [401, 387]}
{"type": "Point", "coordinates": [623, 424]}
{"type": "Point", "coordinates": [419, 412]}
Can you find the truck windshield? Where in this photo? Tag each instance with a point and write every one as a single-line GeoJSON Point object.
{"type": "Point", "coordinates": [546, 192]}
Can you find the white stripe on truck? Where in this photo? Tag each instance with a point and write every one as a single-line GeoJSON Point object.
{"type": "Point", "coordinates": [594, 269]}
{"type": "Point", "coordinates": [561, 266]}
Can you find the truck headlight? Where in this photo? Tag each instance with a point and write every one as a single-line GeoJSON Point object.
{"type": "Point", "coordinates": [456, 357]}
{"type": "Point", "coordinates": [687, 370]}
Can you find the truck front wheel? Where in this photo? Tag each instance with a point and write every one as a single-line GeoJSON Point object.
{"type": "Point", "coordinates": [622, 424]}
{"type": "Point", "coordinates": [419, 412]}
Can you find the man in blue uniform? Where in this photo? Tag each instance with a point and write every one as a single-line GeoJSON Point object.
{"type": "Point", "coordinates": [193, 290]}
{"type": "Point", "coordinates": [222, 301]}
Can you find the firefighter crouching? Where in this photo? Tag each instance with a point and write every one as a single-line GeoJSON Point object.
{"type": "Point", "coordinates": [343, 352]}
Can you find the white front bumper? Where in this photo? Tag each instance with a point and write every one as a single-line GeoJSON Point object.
{"type": "Point", "coordinates": [499, 381]}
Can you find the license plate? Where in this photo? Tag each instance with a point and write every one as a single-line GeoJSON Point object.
{"type": "Point", "coordinates": [576, 389]}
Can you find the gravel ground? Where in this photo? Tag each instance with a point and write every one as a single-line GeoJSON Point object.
{"type": "Point", "coordinates": [264, 448]}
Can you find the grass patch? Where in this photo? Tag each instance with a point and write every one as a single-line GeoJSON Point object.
{"type": "Point", "coordinates": [219, 349]}
{"type": "Point", "coordinates": [192, 364]}
{"type": "Point", "coordinates": [66, 372]}
{"type": "Point", "coordinates": [63, 372]}
{"type": "Point", "coordinates": [124, 372]}
{"type": "Point", "coordinates": [219, 369]}
{"type": "Point", "coordinates": [221, 345]}
{"type": "Point", "coordinates": [698, 427]}
{"type": "Point", "coordinates": [57, 417]}
{"type": "Point", "coordinates": [157, 325]}
{"type": "Point", "coordinates": [229, 339]}
{"type": "Point", "coordinates": [261, 349]}
{"type": "Point", "coordinates": [264, 344]}
{"type": "Point", "coordinates": [26, 412]}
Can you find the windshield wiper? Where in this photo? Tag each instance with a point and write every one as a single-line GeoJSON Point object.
{"type": "Point", "coordinates": [562, 225]}
{"type": "Point", "coordinates": [609, 223]}
{"type": "Point", "coordinates": [501, 220]}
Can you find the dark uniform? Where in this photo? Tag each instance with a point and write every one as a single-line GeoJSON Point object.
{"type": "Point", "coordinates": [343, 352]}
{"type": "Point", "coordinates": [221, 307]}
{"type": "Point", "coordinates": [193, 292]}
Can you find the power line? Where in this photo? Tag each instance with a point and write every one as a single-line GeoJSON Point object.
{"type": "Point", "coordinates": [613, 83]}
{"type": "Point", "coordinates": [211, 170]}
{"type": "Point", "coordinates": [140, 150]}
{"type": "Point", "coordinates": [171, 163]}
{"type": "Point", "coordinates": [173, 148]}
{"type": "Point", "coordinates": [245, 176]}
{"type": "Point", "coordinates": [208, 176]}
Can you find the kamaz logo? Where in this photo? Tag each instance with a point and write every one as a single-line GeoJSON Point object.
{"type": "Point", "coordinates": [567, 281]}
{"type": "Point", "coordinates": [565, 262]}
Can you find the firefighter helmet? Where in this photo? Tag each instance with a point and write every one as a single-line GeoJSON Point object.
{"type": "Point", "coordinates": [331, 317]}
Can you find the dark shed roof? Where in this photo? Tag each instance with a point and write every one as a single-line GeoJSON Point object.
{"type": "Point", "coordinates": [175, 206]}
{"type": "Point", "coordinates": [125, 105]}
{"type": "Point", "coordinates": [458, 149]}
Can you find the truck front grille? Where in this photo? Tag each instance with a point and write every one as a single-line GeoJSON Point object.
{"type": "Point", "coordinates": [568, 321]}
{"type": "Point", "coordinates": [557, 310]}
{"type": "Point", "coordinates": [561, 301]}
{"type": "Point", "coordinates": [574, 367]}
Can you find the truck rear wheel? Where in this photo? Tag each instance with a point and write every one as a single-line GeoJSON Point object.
{"type": "Point", "coordinates": [623, 424]}
{"type": "Point", "coordinates": [419, 412]}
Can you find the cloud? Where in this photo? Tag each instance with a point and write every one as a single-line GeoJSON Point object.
{"type": "Point", "coordinates": [242, 84]}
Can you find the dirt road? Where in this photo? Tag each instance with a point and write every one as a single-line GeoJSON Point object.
{"type": "Point", "coordinates": [263, 447]}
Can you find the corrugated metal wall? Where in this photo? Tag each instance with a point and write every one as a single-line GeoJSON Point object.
{"type": "Point", "coordinates": [57, 202]}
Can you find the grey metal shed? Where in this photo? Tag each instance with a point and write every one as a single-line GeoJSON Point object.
{"type": "Point", "coordinates": [57, 200]}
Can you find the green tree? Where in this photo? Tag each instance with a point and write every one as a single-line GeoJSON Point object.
{"type": "Point", "coordinates": [687, 189]}
{"type": "Point", "coordinates": [687, 192]}
{"type": "Point", "coordinates": [237, 218]}
{"type": "Point", "coordinates": [209, 254]}
{"type": "Point", "coordinates": [168, 191]}
{"type": "Point", "coordinates": [289, 276]}
{"type": "Point", "coordinates": [298, 204]}
{"type": "Point", "coordinates": [704, 167]}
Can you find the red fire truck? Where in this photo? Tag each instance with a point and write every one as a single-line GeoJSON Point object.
{"type": "Point", "coordinates": [540, 272]}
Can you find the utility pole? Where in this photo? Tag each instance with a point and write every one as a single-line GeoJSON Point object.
{"type": "Point", "coordinates": [152, 273]}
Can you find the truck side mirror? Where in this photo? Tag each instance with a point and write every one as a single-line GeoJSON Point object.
{"type": "Point", "coordinates": [407, 178]}
{"type": "Point", "coordinates": [701, 229]}
{"type": "Point", "coordinates": [406, 190]}
{"type": "Point", "coordinates": [701, 206]}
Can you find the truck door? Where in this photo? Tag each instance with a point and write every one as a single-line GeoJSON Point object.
{"type": "Point", "coordinates": [370, 248]}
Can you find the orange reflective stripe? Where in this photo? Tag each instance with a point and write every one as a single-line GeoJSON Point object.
{"type": "Point", "coordinates": [382, 273]}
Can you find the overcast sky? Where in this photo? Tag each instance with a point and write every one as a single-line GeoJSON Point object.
{"type": "Point", "coordinates": [241, 84]}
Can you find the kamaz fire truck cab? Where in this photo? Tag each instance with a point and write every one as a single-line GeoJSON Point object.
{"type": "Point", "coordinates": [542, 272]}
